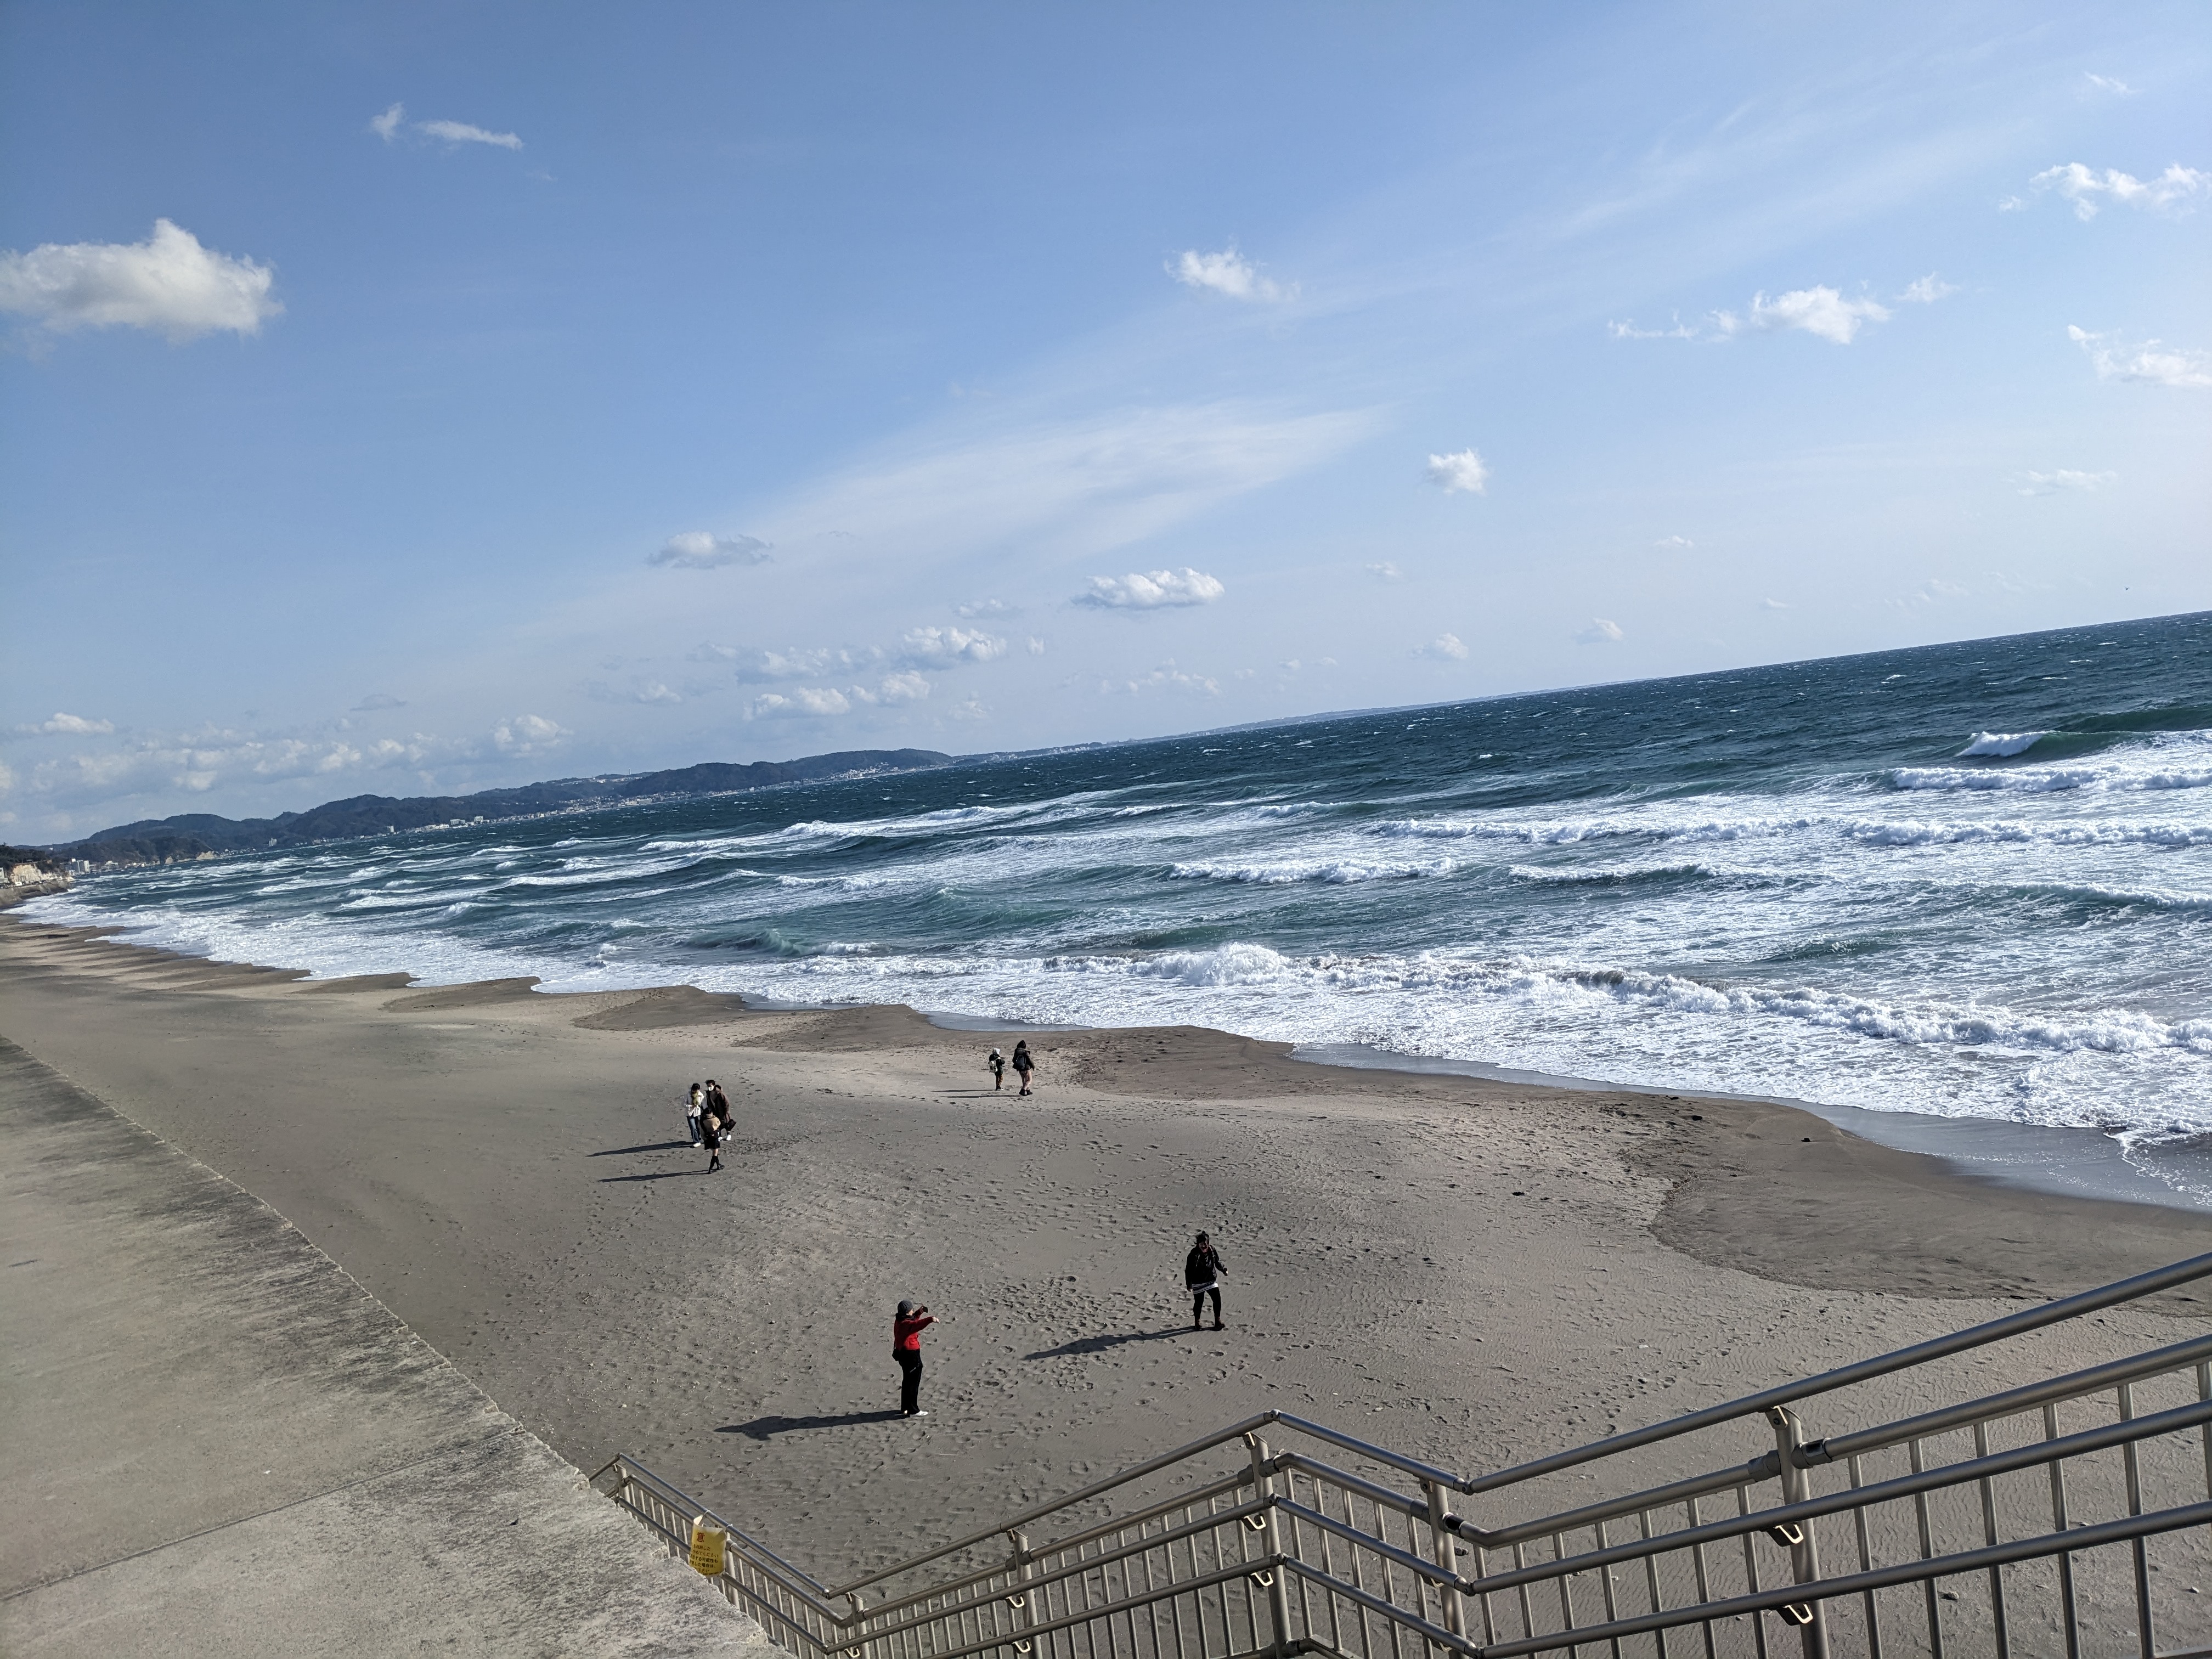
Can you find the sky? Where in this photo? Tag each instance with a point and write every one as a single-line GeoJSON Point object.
{"type": "Point", "coordinates": [408, 398]}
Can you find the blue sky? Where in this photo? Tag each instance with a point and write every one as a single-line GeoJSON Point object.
{"type": "Point", "coordinates": [417, 398]}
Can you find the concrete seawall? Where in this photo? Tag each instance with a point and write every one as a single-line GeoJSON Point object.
{"type": "Point", "coordinates": [220, 1443]}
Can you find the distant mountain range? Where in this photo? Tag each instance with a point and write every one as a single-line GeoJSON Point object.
{"type": "Point", "coordinates": [192, 836]}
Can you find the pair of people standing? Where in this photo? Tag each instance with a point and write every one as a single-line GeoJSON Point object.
{"type": "Point", "coordinates": [708, 1115]}
{"type": "Point", "coordinates": [1024, 1064]}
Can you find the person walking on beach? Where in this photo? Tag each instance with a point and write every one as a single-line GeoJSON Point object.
{"type": "Point", "coordinates": [693, 1112]}
{"type": "Point", "coordinates": [997, 1062]}
{"type": "Point", "coordinates": [1023, 1064]}
{"type": "Point", "coordinates": [913, 1318]}
{"type": "Point", "coordinates": [718, 1103]}
{"type": "Point", "coordinates": [1201, 1277]}
{"type": "Point", "coordinates": [711, 1125]}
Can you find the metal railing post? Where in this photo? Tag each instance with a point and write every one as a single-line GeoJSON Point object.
{"type": "Point", "coordinates": [1018, 1597]}
{"type": "Point", "coordinates": [1445, 1555]}
{"type": "Point", "coordinates": [1279, 1599]}
{"type": "Point", "coordinates": [1804, 1548]}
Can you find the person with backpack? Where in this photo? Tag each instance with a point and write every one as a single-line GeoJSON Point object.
{"type": "Point", "coordinates": [1023, 1064]}
{"type": "Point", "coordinates": [1201, 1277]}
{"type": "Point", "coordinates": [913, 1318]}
{"type": "Point", "coordinates": [712, 1126]}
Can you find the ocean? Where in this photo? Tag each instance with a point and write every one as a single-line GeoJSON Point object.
{"type": "Point", "coordinates": [1969, 881]}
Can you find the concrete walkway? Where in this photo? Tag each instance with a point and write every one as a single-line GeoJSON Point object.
{"type": "Point", "coordinates": [218, 1442]}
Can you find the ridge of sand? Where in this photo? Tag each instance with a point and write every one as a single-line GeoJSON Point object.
{"type": "Point", "coordinates": [1470, 1271]}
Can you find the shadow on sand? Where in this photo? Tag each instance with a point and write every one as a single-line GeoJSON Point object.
{"type": "Point", "coordinates": [762, 1428]}
{"type": "Point", "coordinates": [656, 1175]}
{"type": "Point", "coordinates": [1083, 1345]}
{"type": "Point", "coordinates": [650, 1146]}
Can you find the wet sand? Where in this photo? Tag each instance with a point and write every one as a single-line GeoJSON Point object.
{"type": "Point", "coordinates": [1471, 1270]}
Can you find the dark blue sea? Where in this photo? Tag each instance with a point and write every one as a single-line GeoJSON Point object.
{"type": "Point", "coordinates": [1968, 880]}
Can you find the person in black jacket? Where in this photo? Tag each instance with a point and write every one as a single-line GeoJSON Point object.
{"type": "Point", "coordinates": [1201, 1277]}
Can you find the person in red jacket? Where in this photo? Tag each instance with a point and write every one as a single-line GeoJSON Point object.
{"type": "Point", "coordinates": [906, 1347]}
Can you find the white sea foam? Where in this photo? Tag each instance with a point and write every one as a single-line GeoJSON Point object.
{"type": "Point", "coordinates": [2001, 743]}
{"type": "Point", "coordinates": [1338, 872]}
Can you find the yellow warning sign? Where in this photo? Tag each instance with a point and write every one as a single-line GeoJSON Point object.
{"type": "Point", "coordinates": [710, 1547]}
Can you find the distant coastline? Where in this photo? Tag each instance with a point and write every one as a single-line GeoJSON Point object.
{"type": "Point", "coordinates": [190, 837]}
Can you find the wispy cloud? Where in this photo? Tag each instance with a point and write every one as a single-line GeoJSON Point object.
{"type": "Point", "coordinates": [979, 608]}
{"type": "Point", "coordinates": [1927, 290]}
{"type": "Point", "coordinates": [1228, 273]}
{"type": "Point", "coordinates": [1599, 632]}
{"type": "Point", "coordinates": [1673, 544]}
{"type": "Point", "coordinates": [1151, 589]}
{"type": "Point", "coordinates": [2108, 84]}
{"type": "Point", "coordinates": [1462, 472]}
{"type": "Point", "coordinates": [940, 648]}
{"type": "Point", "coordinates": [529, 735]}
{"type": "Point", "coordinates": [1822, 311]}
{"type": "Point", "coordinates": [2049, 483]}
{"type": "Point", "coordinates": [821, 702]}
{"type": "Point", "coordinates": [698, 549]}
{"type": "Point", "coordinates": [65, 726]}
{"type": "Point", "coordinates": [2152, 361]}
{"type": "Point", "coordinates": [1445, 647]}
{"type": "Point", "coordinates": [2088, 189]}
{"type": "Point", "coordinates": [1628, 330]}
{"type": "Point", "coordinates": [168, 283]}
{"type": "Point", "coordinates": [1166, 678]}
{"type": "Point", "coordinates": [389, 125]}
{"type": "Point", "coordinates": [375, 700]}
{"type": "Point", "coordinates": [1386, 570]}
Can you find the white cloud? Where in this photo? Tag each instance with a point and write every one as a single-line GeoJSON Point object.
{"type": "Point", "coordinates": [1599, 632]}
{"type": "Point", "coordinates": [2049, 483]}
{"type": "Point", "coordinates": [528, 734]}
{"type": "Point", "coordinates": [1445, 647]}
{"type": "Point", "coordinates": [168, 283]}
{"type": "Point", "coordinates": [375, 700]}
{"type": "Point", "coordinates": [1230, 273]}
{"type": "Point", "coordinates": [942, 647]}
{"type": "Point", "coordinates": [970, 708]}
{"type": "Point", "coordinates": [1462, 470]}
{"type": "Point", "coordinates": [387, 127]}
{"type": "Point", "coordinates": [1386, 571]}
{"type": "Point", "coordinates": [2152, 362]}
{"type": "Point", "coordinates": [823, 701]}
{"type": "Point", "coordinates": [1927, 290]}
{"type": "Point", "coordinates": [1774, 604]}
{"type": "Point", "coordinates": [70, 726]}
{"type": "Point", "coordinates": [696, 549]}
{"type": "Point", "coordinates": [1151, 589]}
{"type": "Point", "coordinates": [1674, 544]}
{"type": "Point", "coordinates": [1822, 311]}
{"type": "Point", "coordinates": [460, 132]}
{"type": "Point", "coordinates": [2106, 84]}
{"type": "Point", "coordinates": [979, 608]}
{"type": "Point", "coordinates": [1166, 678]}
{"type": "Point", "coordinates": [1036, 646]}
{"type": "Point", "coordinates": [1628, 330]}
{"type": "Point", "coordinates": [802, 700]}
{"type": "Point", "coordinates": [2084, 185]}
{"type": "Point", "coordinates": [653, 691]}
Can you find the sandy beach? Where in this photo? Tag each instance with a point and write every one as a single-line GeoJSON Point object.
{"type": "Point", "coordinates": [1470, 1271]}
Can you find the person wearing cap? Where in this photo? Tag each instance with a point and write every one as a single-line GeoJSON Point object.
{"type": "Point", "coordinates": [1201, 1277]}
{"type": "Point", "coordinates": [906, 1347]}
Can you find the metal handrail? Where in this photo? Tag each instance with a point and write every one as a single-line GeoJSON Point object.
{"type": "Point", "coordinates": [1830, 1589]}
{"type": "Point", "coordinates": [2034, 1454]}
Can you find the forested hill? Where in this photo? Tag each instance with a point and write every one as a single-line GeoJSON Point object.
{"type": "Point", "coordinates": [192, 835]}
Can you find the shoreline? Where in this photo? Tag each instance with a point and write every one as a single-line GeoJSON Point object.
{"type": "Point", "coordinates": [2028, 1158]}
